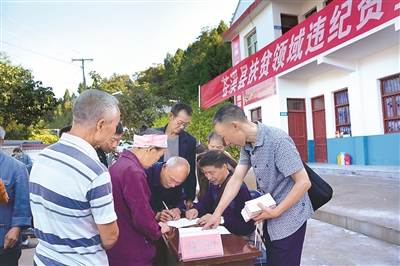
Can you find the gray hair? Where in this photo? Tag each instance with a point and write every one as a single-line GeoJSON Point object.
{"type": "Point", "coordinates": [176, 161]}
{"type": "Point", "coordinates": [2, 132]}
{"type": "Point", "coordinates": [92, 105]}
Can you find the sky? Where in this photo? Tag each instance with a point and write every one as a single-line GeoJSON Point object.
{"type": "Point", "coordinates": [121, 37]}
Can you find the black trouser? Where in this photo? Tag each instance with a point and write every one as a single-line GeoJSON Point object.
{"type": "Point", "coordinates": [10, 258]}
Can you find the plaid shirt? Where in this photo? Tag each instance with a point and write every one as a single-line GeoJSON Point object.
{"type": "Point", "coordinates": [274, 159]}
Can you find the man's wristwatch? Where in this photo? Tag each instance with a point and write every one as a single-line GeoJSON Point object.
{"type": "Point", "coordinates": [222, 220]}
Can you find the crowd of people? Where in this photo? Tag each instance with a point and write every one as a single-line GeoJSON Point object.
{"type": "Point", "coordinates": [85, 211]}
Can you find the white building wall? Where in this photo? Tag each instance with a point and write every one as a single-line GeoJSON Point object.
{"type": "Point", "coordinates": [269, 110]}
{"type": "Point", "coordinates": [290, 88]}
{"type": "Point", "coordinates": [264, 28]}
{"type": "Point", "coordinates": [373, 68]}
{"type": "Point", "coordinates": [308, 5]}
{"type": "Point", "coordinates": [325, 84]}
{"type": "Point", "coordinates": [363, 84]}
{"type": "Point", "coordinates": [364, 94]}
{"type": "Point", "coordinates": [284, 8]}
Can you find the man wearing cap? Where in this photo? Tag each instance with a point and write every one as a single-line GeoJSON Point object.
{"type": "Point", "coordinates": [165, 182]}
{"type": "Point", "coordinates": [183, 144]}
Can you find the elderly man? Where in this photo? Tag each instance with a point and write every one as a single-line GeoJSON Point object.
{"type": "Point", "coordinates": [164, 181]}
{"type": "Point", "coordinates": [181, 143]}
{"type": "Point", "coordinates": [16, 214]}
{"type": "Point", "coordinates": [70, 189]}
{"type": "Point", "coordinates": [110, 145]}
{"type": "Point", "coordinates": [279, 171]}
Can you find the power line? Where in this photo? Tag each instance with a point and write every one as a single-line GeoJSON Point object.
{"type": "Point", "coordinates": [35, 52]}
{"type": "Point", "coordinates": [41, 33]}
{"type": "Point", "coordinates": [32, 42]}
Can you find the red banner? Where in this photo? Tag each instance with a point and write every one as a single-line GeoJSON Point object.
{"type": "Point", "coordinates": [340, 21]}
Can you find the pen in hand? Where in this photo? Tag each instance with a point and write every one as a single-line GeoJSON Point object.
{"type": "Point", "coordinates": [166, 207]}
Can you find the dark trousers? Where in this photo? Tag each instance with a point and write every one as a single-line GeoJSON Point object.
{"type": "Point", "coordinates": [286, 251]}
{"type": "Point", "coordinates": [10, 258]}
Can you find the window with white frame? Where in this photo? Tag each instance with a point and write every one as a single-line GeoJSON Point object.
{"type": "Point", "coordinates": [342, 112]}
{"type": "Point", "coordinates": [390, 91]}
{"type": "Point", "coordinates": [252, 43]}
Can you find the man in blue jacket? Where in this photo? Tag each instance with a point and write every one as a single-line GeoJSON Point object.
{"type": "Point", "coordinates": [165, 182]}
{"type": "Point", "coordinates": [24, 158]}
{"type": "Point", "coordinates": [181, 143]}
{"type": "Point", "coordinates": [16, 214]}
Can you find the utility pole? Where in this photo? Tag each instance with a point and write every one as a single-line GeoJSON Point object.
{"type": "Point", "coordinates": [83, 70]}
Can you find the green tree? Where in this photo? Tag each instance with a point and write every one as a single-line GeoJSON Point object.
{"type": "Point", "coordinates": [203, 60]}
{"type": "Point", "coordinates": [218, 55]}
{"type": "Point", "coordinates": [61, 115]}
{"type": "Point", "coordinates": [138, 100]}
{"type": "Point", "coordinates": [182, 73]}
{"type": "Point", "coordinates": [139, 106]}
{"type": "Point", "coordinates": [39, 132]}
{"type": "Point", "coordinates": [23, 100]}
{"type": "Point", "coordinates": [172, 65]}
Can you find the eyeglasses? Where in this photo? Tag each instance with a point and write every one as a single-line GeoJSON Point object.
{"type": "Point", "coordinates": [181, 123]}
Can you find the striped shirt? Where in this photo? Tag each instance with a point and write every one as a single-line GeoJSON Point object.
{"type": "Point", "coordinates": [70, 192]}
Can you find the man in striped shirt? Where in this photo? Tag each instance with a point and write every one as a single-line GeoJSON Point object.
{"type": "Point", "coordinates": [70, 189]}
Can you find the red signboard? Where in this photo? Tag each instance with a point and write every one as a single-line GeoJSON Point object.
{"type": "Point", "coordinates": [235, 44]}
{"type": "Point", "coordinates": [260, 91]}
{"type": "Point", "coordinates": [340, 21]}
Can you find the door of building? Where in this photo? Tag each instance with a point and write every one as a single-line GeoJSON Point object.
{"type": "Point", "coordinates": [298, 126]}
{"type": "Point", "coordinates": [319, 126]}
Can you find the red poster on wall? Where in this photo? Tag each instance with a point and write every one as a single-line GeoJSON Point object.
{"type": "Point", "coordinates": [260, 91]}
{"type": "Point", "coordinates": [235, 51]}
{"type": "Point", "coordinates": [334, 25]}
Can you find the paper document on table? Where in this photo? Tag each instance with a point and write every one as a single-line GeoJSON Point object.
{"type": "Point", "coordinates": [182, 222]}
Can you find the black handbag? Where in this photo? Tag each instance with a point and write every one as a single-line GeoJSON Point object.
{"type": "Point", "coordinates": [320, 191]}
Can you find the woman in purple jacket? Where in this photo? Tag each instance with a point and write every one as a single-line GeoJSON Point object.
{"type": "Point", "coordinates": [214, 165]}
{"type": "Point", "coordinates": [137, 227]}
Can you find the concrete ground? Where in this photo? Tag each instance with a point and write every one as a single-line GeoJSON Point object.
{"type": "Point", "coordinates": [327, 244]}
{"type": "Point", "coordinates": [27, 255]}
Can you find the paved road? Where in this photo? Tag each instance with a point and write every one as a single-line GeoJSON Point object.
{"type": "Point", "coordinates": [27, 255]}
